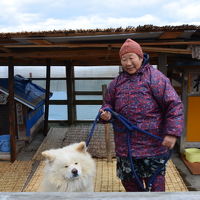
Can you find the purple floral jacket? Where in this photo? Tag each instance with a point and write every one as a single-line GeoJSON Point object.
{"type": "Point", "coordinates": [149, 101]}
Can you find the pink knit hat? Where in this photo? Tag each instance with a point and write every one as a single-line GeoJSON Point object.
{"type": "Point", "coordinates": [131, 46]}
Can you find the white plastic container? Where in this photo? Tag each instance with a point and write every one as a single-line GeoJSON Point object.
{"type": "Point", "coordinates": [192, 154]}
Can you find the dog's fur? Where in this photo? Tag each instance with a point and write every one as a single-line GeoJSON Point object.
{"type": "Point", "coordinates": [68, 169]}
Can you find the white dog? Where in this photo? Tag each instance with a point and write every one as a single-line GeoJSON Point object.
{"type": "Point", "coordinates": [68, 169]}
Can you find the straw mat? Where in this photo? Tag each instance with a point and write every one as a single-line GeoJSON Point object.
{"type": "Point", "coordinates": [53, 140]}
{"type": "Point", "coordinates": [77, 133]}
{"type": "Point", "coordinates": [27, 175]}
{"type": "Point", "coordinates": [174, 182]}
{"type": "Point", "coordinates": [34, 183]}
{"type": "Point", "coordinates": [13, 176]}
{"type": "Point", "coordinates": [107, 181]}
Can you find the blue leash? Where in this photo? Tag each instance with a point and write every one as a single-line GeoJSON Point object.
{"type": "Point", "coordinates": [130, 127]}
{"type": "Point", "coordinates": [92, 129]}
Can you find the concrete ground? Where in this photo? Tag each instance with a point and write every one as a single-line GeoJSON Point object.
{"type": "Point", "coordinates": [192, 181]}
{"type": "Point", "coordinates": [28, 151]}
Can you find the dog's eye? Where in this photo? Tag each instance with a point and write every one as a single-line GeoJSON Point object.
{"type": "Point", "coordinates": [76, 163]}
{"type": "Point", "coordinates": [66, 166]}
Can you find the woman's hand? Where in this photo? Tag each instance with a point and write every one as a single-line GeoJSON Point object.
{"type": "Point", "coordinates": [169, 141]}
{"type": "Point", "coordinates": [105, 115]}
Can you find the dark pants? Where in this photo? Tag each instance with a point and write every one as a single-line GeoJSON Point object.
{"type": "Point", "coordinates": [132, 185]}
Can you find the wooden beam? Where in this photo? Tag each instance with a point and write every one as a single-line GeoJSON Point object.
{"type": "Point", "coordinates": [68, 45]}
{"type": "Point", "coordinates": [77, 61]}
{"type": "Point", "coordinates": [167, 50]}
{"type": "Point", "coordinates": [70, 93]}
{"type": "Point", "coordinates": [160, 43]}
{"type": "Point", "coordinates": [46, 44]}
{"type": "Point", "coordinates": [106, 130]}
{"type": "Point", "coordinates": [5, 49]}
{"type": "Point", "coordinates": [12, 110]}
{"type": "Point", "coordinates": [96, 45]}
{"type": "Point", "coordinates": [58, 54]}
{"type": "Point", "coordinates": [162, 63]}
{"type": "Point", "coordinates": [170, 35]}
{"type": "Point", "coordinates": [88, 102]}
{"type": "Point", "coordinates": [7, 41]}
{"type": "Point", "coordinates": [58, 102]}
{"type": "Point", "coordinates": [40, 42]}
{"type": "Point", "coordinates": [185, 103]}
{"type": "Point", "coordinates": [71, 54]}
{"type": "Point", "coordinates": [88, 92]}
{"type": "Point", "coordinates": [46, 113]}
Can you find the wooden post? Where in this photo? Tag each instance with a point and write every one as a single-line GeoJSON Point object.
{"type": "Point", "coordinates": [106, 131]}
{"type": "Point", "coordinates": [46, 113]}
{"type": "Point", "coordinates": [12, 110]}
{"type": "Point", "coordinates": [70, 93]}
{"type": "Point", "coordinates": [162, 63]}
{"type": "Point", "coordinates": [185, 103]}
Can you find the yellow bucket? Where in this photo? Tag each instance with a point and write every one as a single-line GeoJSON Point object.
{"type": "Point", "coordinates": [192, 154]}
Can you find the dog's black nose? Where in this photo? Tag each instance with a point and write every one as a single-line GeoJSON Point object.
{"type": "Point", "coordinates": [74, 172]}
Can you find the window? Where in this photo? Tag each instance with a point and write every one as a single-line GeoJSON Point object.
{"type": "Point", "coordinates": [58, 112]}
{"type": "Point", "coordinates": [87, 112]}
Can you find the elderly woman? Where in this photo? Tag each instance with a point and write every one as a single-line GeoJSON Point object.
{"type": "Point", "coordinates": [146, 98]}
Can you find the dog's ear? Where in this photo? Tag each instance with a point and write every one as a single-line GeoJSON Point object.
{"type": "Point", "coordinates": [81, 147]}
{"type": "Point", "coordinates": [49, 155]}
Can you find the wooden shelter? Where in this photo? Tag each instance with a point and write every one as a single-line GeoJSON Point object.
{"type": "Point", "coordinates": [29, 103]}
{"type": "Point", "coordinates": [172, 48]}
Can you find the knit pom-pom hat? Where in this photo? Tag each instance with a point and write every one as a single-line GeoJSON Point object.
{"type": "Point", "coordinates": [131, 46]}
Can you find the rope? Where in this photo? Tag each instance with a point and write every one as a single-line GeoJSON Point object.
{"type": "Point", "coordinates": [92, 129]}
{"type": "Point", "coordinates": [130, 128]}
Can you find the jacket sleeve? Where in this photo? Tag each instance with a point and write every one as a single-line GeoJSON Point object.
{"type": "Point", "coordinates": [170, 104]}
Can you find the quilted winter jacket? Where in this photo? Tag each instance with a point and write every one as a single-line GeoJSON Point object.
{"type": "Point", "coordinates": [149, 101]}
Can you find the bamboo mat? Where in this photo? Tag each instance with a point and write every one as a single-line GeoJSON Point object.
{"type": "Point", "coordinates": [107, 181]}
{"type": "Point", "coordinates": [34, 183]}
{"type": "Point", "coordinates": [174, 182]}
{"type": "Point", "coordinates": [77, 133]}
{"type": "Point", "coordinates": [26, 176]}
{"type": "Point", "coordinates": [14, 176]}
{"type": "Point", "coordinates": [53, 140]}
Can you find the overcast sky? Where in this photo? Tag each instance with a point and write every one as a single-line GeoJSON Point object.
{"type": "Point", "coordinates": [48, 15]}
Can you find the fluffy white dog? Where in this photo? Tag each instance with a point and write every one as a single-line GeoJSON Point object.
{"type": "Point", "coordinates": [68, 169]}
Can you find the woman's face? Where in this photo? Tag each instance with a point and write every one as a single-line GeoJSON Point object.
{"type": "Point", "coordinates": [131, 62]}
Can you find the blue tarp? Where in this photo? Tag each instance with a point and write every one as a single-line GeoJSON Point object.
{"type": "Point", "coordinates": [25, 91]}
